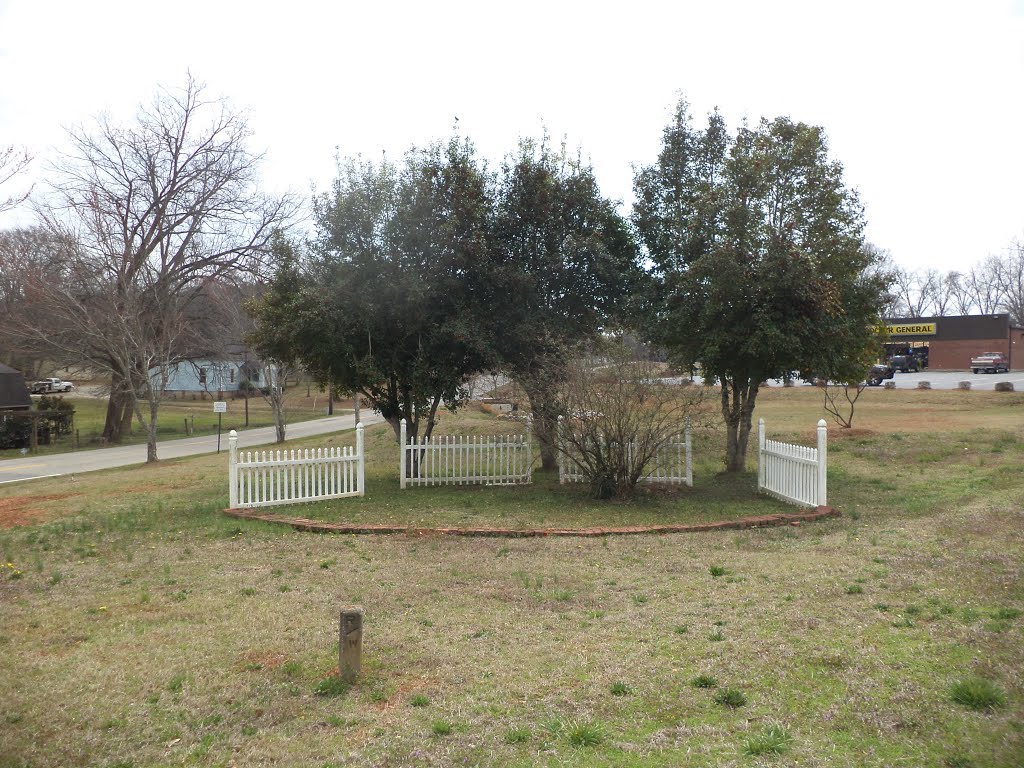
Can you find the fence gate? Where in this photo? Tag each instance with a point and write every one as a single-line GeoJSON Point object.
{"type": "Point", "coordinates": [466, 459]}
{"type": "Point", "coordinates": [793, 473]}
{"type": "Point", "coordinates": [265, 478]}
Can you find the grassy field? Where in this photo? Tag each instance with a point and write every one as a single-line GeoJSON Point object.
{"type": "Point", "coordinates": [141, 627]}
{"type": "Point", "coordinates": [179, 418]}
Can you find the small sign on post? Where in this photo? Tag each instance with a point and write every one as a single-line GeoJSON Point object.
{"type": "Point", "coordinates": [351, 644]}
{"type": "Point", "coordinates": [219, 407]}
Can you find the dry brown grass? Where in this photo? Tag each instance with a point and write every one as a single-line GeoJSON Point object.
{"type": "Point", "coordinates": [146, 629]}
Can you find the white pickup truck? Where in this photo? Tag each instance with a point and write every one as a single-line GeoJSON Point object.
{"type": "Point", "coordinates": [46, 386]}
{"type": "Point", "coordinates": [990, 362]}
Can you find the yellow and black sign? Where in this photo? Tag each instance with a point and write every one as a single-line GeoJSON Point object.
{"type": "Point", "coordinates": [912, 329]}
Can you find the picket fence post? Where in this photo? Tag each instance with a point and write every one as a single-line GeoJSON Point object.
{"type": "Point", "coordinates": [361, 462]}
{"type": "Point", "coordinates": [233, 469]}
{"type": "Point", "coordinates": [558, 449]}
{"type": "Point", "coordinates": [760, 456]}
{"type": "Point", "coordinates": [402, 457]}
{"type": "Point", "coordinates": [689, 453]}
{"type": "Point", "coordinates": [528, 450]}
{"type": "Point", "coordinates": [822, 462]}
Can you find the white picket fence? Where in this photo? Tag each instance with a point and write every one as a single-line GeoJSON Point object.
{"type": "Point", "coordinates": [265, 478]}
{"type": "Point", "coordinates": [466, 459]}
{"type": "Point", "coordinates": [793, 473]}
{"type": "Point", "coordinates": [672, 464]}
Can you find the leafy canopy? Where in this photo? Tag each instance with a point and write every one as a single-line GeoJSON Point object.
{"type": "Point", "coordinates": [389, 303]}
{"type": "Point", "coordinates": [757, 250]}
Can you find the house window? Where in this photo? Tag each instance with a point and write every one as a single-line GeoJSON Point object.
{"type": "Point", "coordinates": [232, 376]}
{"type": "Point", "coordinates": [202, 375]}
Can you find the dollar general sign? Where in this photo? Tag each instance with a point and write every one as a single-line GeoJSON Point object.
{"type": "Point", "coordinates": [912, 329]}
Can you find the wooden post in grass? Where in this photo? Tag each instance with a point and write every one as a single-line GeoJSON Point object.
{"type": "Point", "coordinates": [350, 645]}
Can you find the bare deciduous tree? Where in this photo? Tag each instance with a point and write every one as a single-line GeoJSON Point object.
{"type": "Point", "coordinates": [982, 284]}
{"type": "Point", "coordinates": [13, 162]}
{"type": "Point", "coordinates": [1011, 281]}
{"type": "Point", "coordinates": [959, 293]}
{"type": "Point", "coordinates": [941, 296]}
{"type": "Point", "coordinates": [159, 209]}
{"type": "Point", "coordinates": [28, 256]}
{"type": "Point", "coordinates": [915, 291]}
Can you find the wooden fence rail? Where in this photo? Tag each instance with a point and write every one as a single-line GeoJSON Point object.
{"type": "Point", "coordinates": [793, 473]}
{"type": "Point", "coordinates": [466, 459]}
{"type": "Point", "coordinates": [265, 478]}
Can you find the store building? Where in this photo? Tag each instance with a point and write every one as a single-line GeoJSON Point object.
{"type": "Point", "coordinates": [949, 343]}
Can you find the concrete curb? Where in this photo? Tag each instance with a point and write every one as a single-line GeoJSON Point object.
{"type": "Point", "coordinates": [317, 526]}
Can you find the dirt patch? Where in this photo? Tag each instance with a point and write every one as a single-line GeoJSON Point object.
{"type": "Point", "coordinates": [265, 659]}
{"type": "Point", "coordinates": [22, 510]}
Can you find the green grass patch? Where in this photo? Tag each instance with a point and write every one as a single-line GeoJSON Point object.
{"type": "Point", "coordinates": [772, 740]}
{"type": "Point", "coordinates": [978, 693]}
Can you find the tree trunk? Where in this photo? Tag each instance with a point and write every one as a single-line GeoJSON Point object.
{"type": "Point", "coordinates": [118, 421]}
{"type": "Point", "coordinates": [738, 398]}
{"type": "Point", "coordinates": [545, 421]}
{"type": "Point", "coordinates": [279, 424]}
{"type": "Point", "coordinates": [112, 423]}
{"type": "Point", "coordinates": [154, 405]}
{"type": "Point", "coordinates": [125, 427]}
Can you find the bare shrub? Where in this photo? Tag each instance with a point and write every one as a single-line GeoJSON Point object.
{"type": "Point", "coordinates": [617, 414]}
{"type": "Point", "coordinates": [841, 400]}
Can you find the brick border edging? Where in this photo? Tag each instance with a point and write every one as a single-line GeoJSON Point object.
{"type": "Point", "coordinates": [316, 526]}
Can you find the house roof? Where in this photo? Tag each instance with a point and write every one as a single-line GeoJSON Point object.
{"type": "Point", "coordinates": [13, 391]}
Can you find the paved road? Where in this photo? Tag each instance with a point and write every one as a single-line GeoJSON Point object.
{"type": "Point", "coordinates": [950, 379]}
{"type": "Point", "coordinates": [54, 465]}
{"type": "Point", "coordinates": [938, 380]}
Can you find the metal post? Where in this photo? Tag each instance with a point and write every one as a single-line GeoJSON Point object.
{"type": "Point", "coordinates": [760, 455]}
{"type": "Point", "coordinates": [232, 469]}
{"type": "Point", "coordinates": [350, 645]}
{"type": "Point", "coordinates": [218, 432]}
{"type": "Point", "coordinates": [361, 466]}
{"type": "Point", "coordinates": [822, 462]}
{"type": "Point", "coordinates": [402, 456]}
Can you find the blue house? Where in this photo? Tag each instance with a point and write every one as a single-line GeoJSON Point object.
{"type": "Point", "coordinates": [214, 377]}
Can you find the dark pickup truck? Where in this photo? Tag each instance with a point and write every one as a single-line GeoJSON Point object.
{"type": "Point", "coordinates": [878, 374]}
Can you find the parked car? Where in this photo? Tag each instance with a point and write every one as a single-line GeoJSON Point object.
{"type": "Point", "coordinates": [878, 374]}
{"type": "Point", "coordinates": [47, 386]}
{"type": "Point", "coordinates": [904, 363]}
{"type": "Point", "coordinates": [990, 362]}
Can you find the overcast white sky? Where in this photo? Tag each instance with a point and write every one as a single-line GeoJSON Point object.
{"type": "Point", "coordinates": [923, 102]}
